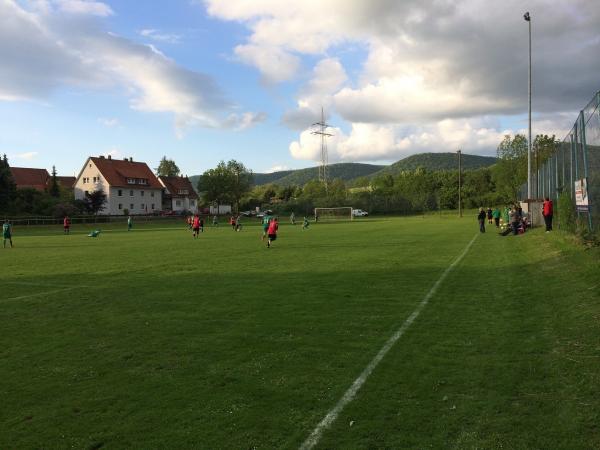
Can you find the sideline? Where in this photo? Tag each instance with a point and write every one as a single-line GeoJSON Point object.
{"type": "Point", "coordinates": [349, 395]}
{"type": "Point", "coordinates": [38, 294]}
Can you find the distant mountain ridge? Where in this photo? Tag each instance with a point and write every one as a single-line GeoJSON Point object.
{"type": "Point", "coordinates": [351, 171]}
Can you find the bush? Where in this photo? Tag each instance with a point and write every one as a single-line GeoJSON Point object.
{"type": "Point", "coordinates": [566, 214]}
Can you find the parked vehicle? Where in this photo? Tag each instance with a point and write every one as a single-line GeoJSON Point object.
{"type": "Point", "coordinates": [359, 213]}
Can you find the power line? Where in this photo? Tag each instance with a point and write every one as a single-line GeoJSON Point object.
{"type": "Point", "coordinates": [322, 131]}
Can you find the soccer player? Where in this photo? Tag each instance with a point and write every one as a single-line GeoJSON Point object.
{"type": "Point", "coordinates": [496, 214]}
{"type": "Point", "coordinates": [66, 225]}
{"type": "Point", "coordinates": [489, 215]}
{"type": "Point", "coordinates": [272, 231]}
{"type": "Point", "coordinates": [215, 221]}
{"type": "Point", "coordinates": [265, 225]}
{"type": "Point", "coordinates": [238, 223]}
{"type": "Point", "coordinates": [129, 223]}
{"type": "Point", "coordinates": [481, 218]}
{"type": "Point", "coordinates": [232, 222]}
{"type": "Point", "coordinates": [201, 225]}
{"type": "Point", "coordinates": [7, 233]}
{"type": "Point", "coordinates": [196, 226]}
{"type": "Point", "coordinates": [305, 224]}
{"type": "Point", "coordinates": [293, 218]}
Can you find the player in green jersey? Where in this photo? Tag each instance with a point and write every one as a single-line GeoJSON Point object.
{"type": "Point", "coordinates": [7, 233]}
{"type": "Point", "coordinates": [265, 225]}
{"type": "Point", "coordinates": [305, 224]}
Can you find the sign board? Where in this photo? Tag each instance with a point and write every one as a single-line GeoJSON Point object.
{"type": "Point", "coordinates": [581, 195]}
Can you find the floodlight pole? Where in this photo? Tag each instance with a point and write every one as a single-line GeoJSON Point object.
{"type": "Point", "coordinates": [527, 18]}
{"type": "Point", "coordinates": [459, 194]}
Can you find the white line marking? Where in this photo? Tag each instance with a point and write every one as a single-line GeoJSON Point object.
{"type": "Point", "coordinates": [349, 395]}
{"type": "Point", "coordinates": [38, 294]}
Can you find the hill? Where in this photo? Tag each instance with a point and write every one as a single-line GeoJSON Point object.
{"type": "Point", "coordinates": [437, 161]}
{"type": "Point", "coordinates": [345, 171]}
{"type": "Point", "coordinates": [350, 171]}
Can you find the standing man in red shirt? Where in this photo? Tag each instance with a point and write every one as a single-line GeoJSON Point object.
{"type": "Point", "coordinates": [547, 213]}
{"type": "Point", "coordinates": [272, 231]}
{"type": "Point", "coordinates": [67, 225]}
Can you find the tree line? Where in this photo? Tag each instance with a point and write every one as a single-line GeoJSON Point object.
{"type": "Point", "coordinates": [410, 191]}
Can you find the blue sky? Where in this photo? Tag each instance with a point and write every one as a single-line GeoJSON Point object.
{"type": "Point", "coordinates": [204, 81]}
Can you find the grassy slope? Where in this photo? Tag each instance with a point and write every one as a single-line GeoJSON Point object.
{"type": "Point", "coordinates": [437, 161]}
{"type": "Point", "coordinates": [225, 343]}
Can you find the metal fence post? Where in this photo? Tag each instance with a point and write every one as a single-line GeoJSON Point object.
{"type": "Point", "coordinates": [585, 164]}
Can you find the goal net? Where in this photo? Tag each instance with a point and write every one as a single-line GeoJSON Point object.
{"type": "Point", "coordinates": [340, 213]}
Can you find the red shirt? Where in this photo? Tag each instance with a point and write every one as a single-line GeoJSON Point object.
{"type": "Point", "coordinates": [273, 226]}
{"type": "Point", "coordinates": [66, 222]}
{"type": "Point", "coordinates": [547, 207]}
{"type": "Point", "coordinates": [196, 222]}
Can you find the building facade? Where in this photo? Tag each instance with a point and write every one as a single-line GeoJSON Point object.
{"type": "Point", "coordinates": [130, 186]}
{"type": "Point", "coordinates": [179, 194]}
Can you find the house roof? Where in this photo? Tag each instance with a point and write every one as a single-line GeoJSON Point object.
{"type": "Point", "coordinates": [175, 185]}
{"type": "Point", "coordinates": [66, 182]}
{"type": "Point", "coordinates": [30, 178]}
{"type": "Point", "coordinates": [117, 171]}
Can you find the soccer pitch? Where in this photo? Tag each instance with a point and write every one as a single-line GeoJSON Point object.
{"type": "Point", "coordinates": [151, 339]}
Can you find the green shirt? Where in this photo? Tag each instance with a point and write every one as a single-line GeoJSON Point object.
{"type": "Point", "coordinates": [266, 220]}
{"type": "Point", "coordinates": [6, 229]}
{"type": "Point", "coordinates": [496, 214]}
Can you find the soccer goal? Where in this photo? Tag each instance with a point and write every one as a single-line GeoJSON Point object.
{"type": "Point", "coordinates": [340, 213]}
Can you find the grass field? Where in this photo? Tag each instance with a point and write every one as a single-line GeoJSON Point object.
{"type": "Point", "coordinates": [151, 339]}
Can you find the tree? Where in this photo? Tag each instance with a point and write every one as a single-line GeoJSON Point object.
{"type": "Point", "coordinates": [543, 148]}
{"type": "Point", "coordinates": [7, 185]}
{"type": "Point", "coordinates": [510, 172]}
{"type": "Point", "coordinates": [214, 184]}
{"type": "Point", "coordinates": [167, 168]}
{"type": "Point", "coordinates": [240, 181]}
{"type": "Point", "coordinates": [95, 201]}
{"type": "Point", "coordinates": [54, 190]}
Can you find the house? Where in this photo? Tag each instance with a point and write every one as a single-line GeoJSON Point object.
{"type": "Point", "coordinates": [128, 185]}
{"type": "Point", "coordinates": [66, 183]}
{"type": "Point", "coordinates": [30, 178]}
{"type": "Point", "coordinates": [179, 194]}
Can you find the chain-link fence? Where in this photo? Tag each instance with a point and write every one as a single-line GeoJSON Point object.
{"type": "Point", "coordinates": [574, 167]}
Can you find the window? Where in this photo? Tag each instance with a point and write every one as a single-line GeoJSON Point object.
{"type": "Point", "coordinates": [142, 181]}
{"type": "Point", "coordinates": [130, 180]}
{"type": "Point", "coordinates": [177, 202]}
{"type": "Point", "coordinates": [87, 193]}
{"type": "Point", "coordinates": [151, 194]}
{"type": "Point", "coordinates": [152, 206]}
{"type": "Point", "coordinates": [94, 179]}
{"type": "Point", "coordinates": [85, 180]}
{"type": "Point", "coordinates": [131, 193]}
{"type": "Point", "coordinates": [142, 193]}
{"type": "Point", "coordinates": [192, 203]}
{"type": "Point", "coordinates": [183, 192]}
{"type": "Point", "coordinates": [131, 206]}
{"type": "Point", "coordinates": [120, 205]}
{"type": "Point", "coordinates": [120, 192]}
{"type": "Point", "coordinates": [143, 206]}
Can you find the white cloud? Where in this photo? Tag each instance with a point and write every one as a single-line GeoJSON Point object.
{"type": "Point", "coordinates": [113, 153]}
{"type": "Point", "coordinates": [275, 64]}
{"type": "Point", "coordinates": [156, 35]}
{"type": "Point", "coordinates": [372, 142]}
{"type": "Point", "coordinates": [328, 76]}
{"type": "Point", "coordinates": [27, 155]}
{"type": "Point", "coordinates": [85, 7]}
{"type": "Point", "coordinates": [108, 122]}
{"type": "Point", "coordinates": [277, 168]}
{"type": "Point", "coordinates": [42, 51]}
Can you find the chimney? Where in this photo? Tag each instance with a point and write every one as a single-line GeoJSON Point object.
{"type": "Point", "coordinates": [130, 159]}
{"type": "Point", "coordinates": [109, 157]}
{"type": "Point", "coordinates": [101, 156]}
{"type": "Point", "coordinates": [125, 159]}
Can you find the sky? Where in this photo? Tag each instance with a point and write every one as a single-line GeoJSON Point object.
{"type": "Point", "coordinates": [201, 81]}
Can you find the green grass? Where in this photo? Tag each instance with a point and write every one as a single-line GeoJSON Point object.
{"type": "Point", "coordinates": [160, 341]}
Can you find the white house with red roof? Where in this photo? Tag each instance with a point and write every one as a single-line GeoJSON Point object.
{"type": "Point", "coordinates": [179, 194]}
{"type": "Point", "coordinates": [128, 184]}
